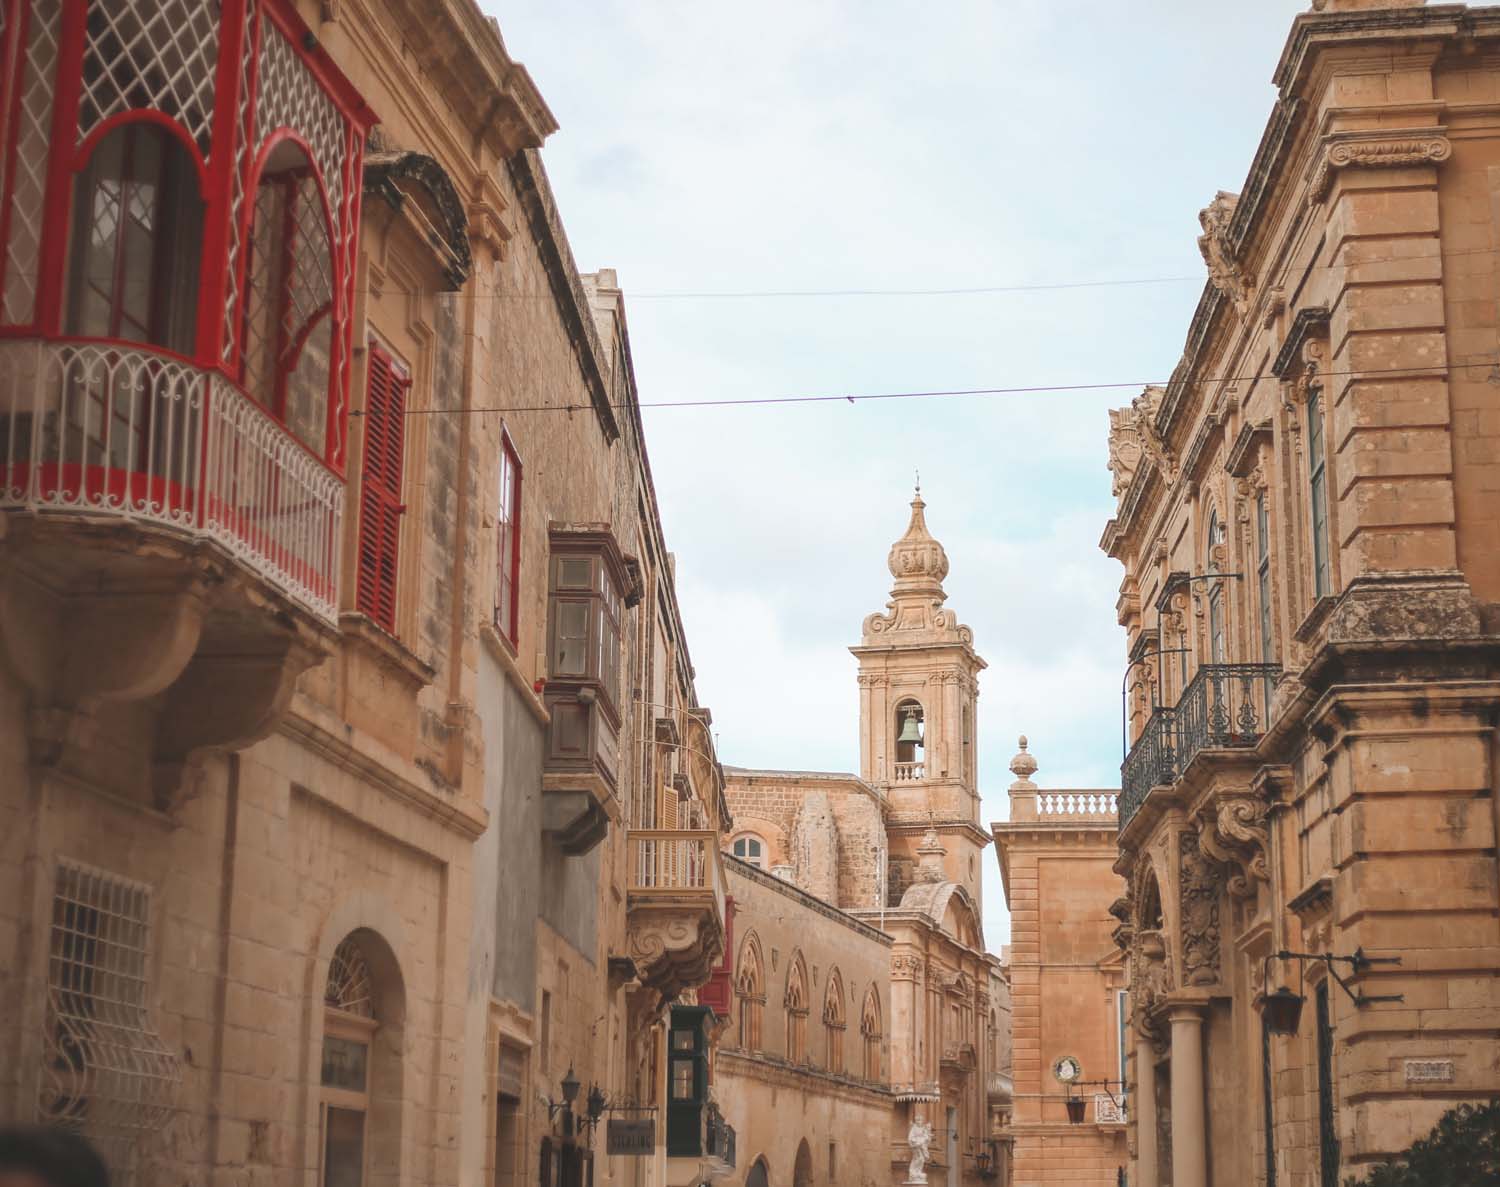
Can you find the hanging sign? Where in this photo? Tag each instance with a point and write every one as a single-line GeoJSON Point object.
{"type": "Point", "coordinates": [632, 1138]}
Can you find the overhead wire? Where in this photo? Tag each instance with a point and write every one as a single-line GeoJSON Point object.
{"type": "Point", "coordinates": [937, 393]}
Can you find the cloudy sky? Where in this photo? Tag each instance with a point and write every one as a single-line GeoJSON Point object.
{"type": "Point", "coordinates": [815, 145]}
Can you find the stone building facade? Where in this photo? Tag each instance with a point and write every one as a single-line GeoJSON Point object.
{"type": "Point", "coordinates": [1307, 529]}
{"type": "Point", "coordinates": [897, 847]}
{"type": "Point", "coordinates": [354, 785]}
{"type": "Point", "coordinates": [1068, 984]}
{"type": "Point", "coordinates": [801, 1067]}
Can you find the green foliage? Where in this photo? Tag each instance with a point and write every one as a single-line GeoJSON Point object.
{"type": "Point", "coordinates": [1462, 1151]}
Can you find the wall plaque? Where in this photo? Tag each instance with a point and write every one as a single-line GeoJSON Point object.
{"type": "Point", "coordinates": [1429, 1071]}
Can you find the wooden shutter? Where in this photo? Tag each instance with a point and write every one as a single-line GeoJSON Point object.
{"type": "Point", "coordinates": [380, 506]}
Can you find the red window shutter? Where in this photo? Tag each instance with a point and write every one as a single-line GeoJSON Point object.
{"type": "Point", "coordinates": [380, 506]}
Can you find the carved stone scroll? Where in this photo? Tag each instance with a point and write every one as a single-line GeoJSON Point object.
{"type": "Point", "coordinates": [1198, 889]}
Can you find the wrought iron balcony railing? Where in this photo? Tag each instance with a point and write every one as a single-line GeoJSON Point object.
{"type": "Point", "coordinates": [106, 429]}
{"type": "Point", "coordinates": [1223, 707]}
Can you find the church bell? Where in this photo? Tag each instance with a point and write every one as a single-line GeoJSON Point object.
{"type": "Point", "coordinates": [909, 730]}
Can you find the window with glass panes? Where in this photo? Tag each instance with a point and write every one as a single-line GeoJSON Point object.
{"type": "Point", "coordinates": [1318, 495]}
{"type": "Point", "coordinates": [1216, 593]}
{"type": "Point", "coordinates": [586, 610]}
{"type": "Point", "coordinates": [508, 542]}
{"type": "Point", "coordinates": [1263, 576]}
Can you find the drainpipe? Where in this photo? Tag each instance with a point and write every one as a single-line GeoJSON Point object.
{"type": "Point", "coordinates": [458, 709]}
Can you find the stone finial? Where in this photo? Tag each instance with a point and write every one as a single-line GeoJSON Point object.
{"type": "Point", "coordinates": [917, 561]}
{"type": "Point", "coordinates": [1023, 766]}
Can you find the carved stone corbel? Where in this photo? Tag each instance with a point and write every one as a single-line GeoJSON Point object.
{"type": "Point", "coordinates": [1234, 833]}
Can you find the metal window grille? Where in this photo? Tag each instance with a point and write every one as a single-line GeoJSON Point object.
{"type": "Point", "coordinates": [350, 987]}
{"type": "Point", "coordinates": [29, 183]}
{"type": "Point", "coordinates": [105, 1070]}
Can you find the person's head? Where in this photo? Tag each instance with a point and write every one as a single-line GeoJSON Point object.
{"type": "Point", "coordinates": [39, 1157]}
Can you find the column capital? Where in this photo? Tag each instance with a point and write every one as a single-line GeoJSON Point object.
{"type": "Point", "coordinates": [1185, 1007]}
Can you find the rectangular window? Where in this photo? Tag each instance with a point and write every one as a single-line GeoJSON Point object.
{"type": "Point", "coordinates": [586, 611]}
{"type": "Point", "coordinates": [683, 1079]}
{"type": "Point", "coordinates": [508, 542]}
{"type": "Point", "coordinates": [510, 1080]}
{"type": "Point", "coordinates": [104, 1061]}
{"type": "Point", "coordinates": [343, 1148]}
{"type": "Point", "coordinates": [1328, 1137]}
{"type": "Point", "coordinates": [1263, 577]}
{"type": "Point", "coordinates": [1318, 495]}
{"type": "Point", "coordinates": [380, 505]}
{"type": "Point", "coordinates": [1122, 1020]}
{"type": "Point", "coordinates": [1216, 624]}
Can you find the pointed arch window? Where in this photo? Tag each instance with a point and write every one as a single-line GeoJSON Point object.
{"type": "Point", "coordinates": [750, 994]}
{"type": "Point", "coordinates": [833, 1022]}
{"type": "Point", "coordinates": [871, 1034]}
{"type": "Point", "coordinates": [796, 1011]}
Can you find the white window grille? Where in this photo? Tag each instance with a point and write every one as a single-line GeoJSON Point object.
{"type": "Point", "coordinates": [350, 987]}
{"type": "Point", "coordinates": [290, 97]}
{"type": "Point", "coordinates": [157, 54]}
{"type": "Point", "coordinates": [237, 200]}
{"type": "Point", "coordinates": [30, 180]}
{"type": "Point", "coordinates": [105, 1070]}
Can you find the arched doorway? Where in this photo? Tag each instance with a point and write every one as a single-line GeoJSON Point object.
{"type": "Point", "coordinates": [802, 1173]}
{"type": "Point", "coordinates": [759, 1176]}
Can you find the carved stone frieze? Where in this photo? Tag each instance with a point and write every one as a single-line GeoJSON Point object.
{"type": "Point", "coordinates": [1198, 898]}
{"type": "Point", "coordinates": [1381, 149]}
{"type": "Point", "coordinates": [906, 966]}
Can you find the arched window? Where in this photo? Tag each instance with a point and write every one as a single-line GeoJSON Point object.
{"type": "Point", "coordinates": [910, 741]}
{"type": "Point", "coordinates": [872, 1033]}
{"type": "Point", "coordinates": [137, 240]}
{"type": "Point", "coordinates": [288, 331]}
{"type": "Point", "coordinates": [751, 849]}
{"type": "Point", "coordinates": [750, 993]}
{"type": "Point", "coordinates": [833, 1021]}
{"type": "Point", "coordinates": [360, 1082]}
{"type": "Point", "coordinates": [1216, 649]}
{"type": "Point", "coordinates": [796, 1010]}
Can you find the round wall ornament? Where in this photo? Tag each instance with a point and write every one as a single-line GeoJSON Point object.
{"type": "Point", "coordinates": [1067, 1069]}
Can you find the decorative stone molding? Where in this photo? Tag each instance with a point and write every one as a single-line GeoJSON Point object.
{"type": "Point", "coordinates": [1234, 833]}
{"type": "Point", "coordinates": [674, 949]}
{"type": "Point", "coordinates": [383, 177]}
{"type": "Point", "coordinates": [1198, 898]}
{"type": "Point", "coordinates": [1382, 148]}
{"type": "Point", "coordinates": [906, 966]}
{"type": "Point", "coordinates": [1224, 272]}
{"type": "Point", "coordinates": [1133, 437]}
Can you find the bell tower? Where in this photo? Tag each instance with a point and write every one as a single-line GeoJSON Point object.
{"type": "Point", "coordinates": [918, 743]}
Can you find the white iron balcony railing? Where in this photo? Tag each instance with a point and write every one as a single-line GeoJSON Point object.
{"type": "Point", "coordinates": [910, 772]}
{"type": "Point", "coordinates": [673, 862]}
{"type": "Point", "coordinates": [103, 429]}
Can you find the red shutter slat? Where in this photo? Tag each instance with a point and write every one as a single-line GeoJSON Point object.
{"type": "Point", "coordinates": [380, 488]}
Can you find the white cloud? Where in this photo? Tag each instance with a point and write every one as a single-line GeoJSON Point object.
{"type": "Point", "coordinates": [829, 144]}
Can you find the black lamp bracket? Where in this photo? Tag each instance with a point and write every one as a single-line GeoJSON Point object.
{"type": "Point", "coordinates": [1357, 963]}
{"type": "Point", "coordinates": [1108, 1086]}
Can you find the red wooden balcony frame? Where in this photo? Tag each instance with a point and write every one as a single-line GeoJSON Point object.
{"type": "Point", "coordinates": [227, 174]}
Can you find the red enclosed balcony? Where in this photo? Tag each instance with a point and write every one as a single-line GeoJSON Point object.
{"type": "Point", "coordinates": [181, 186]}
{"type": "Point", "coordinates": [179, 207]}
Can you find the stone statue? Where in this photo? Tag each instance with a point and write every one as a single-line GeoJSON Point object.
{"type": "Point", "coordinates": [919, 1138]}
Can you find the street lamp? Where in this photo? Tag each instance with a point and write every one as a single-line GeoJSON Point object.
{"type": "Point", "coordinates": [1282, 1010]}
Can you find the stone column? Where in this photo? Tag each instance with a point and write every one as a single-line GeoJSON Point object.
{"type": "Point", "coordinates": [1146, 1172]}
{"type": "Point", "coordinates": [1189, 1145]}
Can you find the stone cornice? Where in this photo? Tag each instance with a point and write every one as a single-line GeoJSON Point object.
{"type": "Point", "coordinates": [1376, 148]}
{"type": "Point", "coordinates": [1241, 458]}
{"type": "Point", "coordinates": [535, 192]}
{"type": "Point", "coordinates": [450, 811]}
{"type": "Point", "coordinates": [772, 1069]}
{"type": "Point", "coordinates": [743, 869]}
{"type": "Point", "coordinates": [1200, 451]}
{"type": "Point", "coordinates": [1310, 322]}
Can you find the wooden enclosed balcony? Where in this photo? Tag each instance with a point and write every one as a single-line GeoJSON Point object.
{"type": "Point", "coordinates": [675, 906]}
